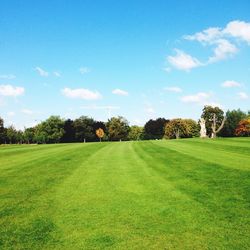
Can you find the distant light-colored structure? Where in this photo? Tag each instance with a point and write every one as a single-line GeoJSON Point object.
{"type": "Point", "coordinates": [203, 131]}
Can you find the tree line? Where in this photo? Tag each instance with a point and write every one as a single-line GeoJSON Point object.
{"type": "Point", "coordinates": [86, 129]}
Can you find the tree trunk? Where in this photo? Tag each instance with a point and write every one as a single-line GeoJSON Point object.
{"type": "Point", "coordinates": [214, 131]}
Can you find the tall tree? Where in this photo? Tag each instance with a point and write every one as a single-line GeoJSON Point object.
{"type": "Point", "coordinates": [28, 135]}
{"type": "Point", "coordinates": [11, 134]}
{"type": "Point", "coordinates": [69, 131]}
{"type": "Point", "coordinates": [135, 133]}
{"type": "Point", "coordinates": [154, 129]}
{"type": "Point", "coordinates": [117, 128]}
{"type": "Point", "coordinates": [215, 120]}
{"type": "Point", "coordinates": [84, 129]}
{"type": "Point", "coordinates": [50, 131]}
{"type": "Point", "coordinates": [233, 118]}
{"type": "Point", "coordinates": [2, 139]}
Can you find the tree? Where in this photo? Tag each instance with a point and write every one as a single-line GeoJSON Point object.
{"type": "Point", "coordinates": [135, 133]}
{"type": "Point", "coordinates": [154, 129]}
{"type": "Point", "coordinates": [193, 129]}
{"type": "Point", "coordinates": [69, 131]}
{"type": "Point", "coordinates": [176, 128]}
{"type": "Point", "coordinates": [84, 129]}
{"type": "Point", "coordinates": [243, 128]}
{"type": "Point", "coordinates": [50, 131]}
{"type": "Point", "coordinates": [215, 120]}
{"type": "Point", "coordinates": [181, 128]}
{"type": "Point", "coordinates": [100, 133]}
{"type": "Point", "coordinates": [97, 125]}
{"type": "Point", "coordinates": [232, 120]}
{"type": "Point", "coordinates": [19, 136]}
{"type": "Point", "coordinates": [2, 139]}
{"type": "Point", "coordinates": [117, 128]}
{"type": "Point", "coordinates": [28, 135]}
{"type": "Point", "coordinates": [11, 134]}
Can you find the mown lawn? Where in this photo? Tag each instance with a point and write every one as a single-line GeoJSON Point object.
{"type": "Point", "coordinates": [178, 194]}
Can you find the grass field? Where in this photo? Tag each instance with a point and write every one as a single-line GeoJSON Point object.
{"type": "Point", "coordinates": [178, 194]}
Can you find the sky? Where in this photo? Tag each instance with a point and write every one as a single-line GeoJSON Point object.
{"type": "Point", "coordinates": [138, 59]}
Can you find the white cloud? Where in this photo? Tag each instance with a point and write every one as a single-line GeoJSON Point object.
{"type": "Point", "coordinates": [10, 113]}
{"type": "Point", "coordinates": [120, 92]}
{"type": "Point", "coordinates": [238, 29]}
{"type": "Point", "coordinates": [9, 77]}
{"type": "Point", "coordinates": [57, 74]}
{"type": "Point", "coordinates": [183, 61]}
{"type": "Point", "coordinates": [9, 90]}
{"type": "Point", "coordinates": [223, 50]}
{"type": "Point", "coordinates": [243, 95]}
{"type": "Point", "coordinates": [199, 98]}
{"type": "Point", "coordinates": [218, 37]}
{"type": "Point", "coordinates": [81, 94]}
{"type": "Point", "coordinates": [84, 70]}
{"type": "Point", "coordinates": [27, 111]}
{"type": "Point", "coordinates": [173, 89]}
{"type": "Point", "coordinates": [167, 69]}
{"type": "Point", "coordinates": [150, 110]}
{"type": "Point", "coordinates": [205, 36]}
{"type": "Point", "coordinates": [41, 72]}
{"type": "Point", "coordinates": [230, 84]}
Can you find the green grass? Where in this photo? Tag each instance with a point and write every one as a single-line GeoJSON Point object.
{"type": "Point", "coordinates": [178, 194]}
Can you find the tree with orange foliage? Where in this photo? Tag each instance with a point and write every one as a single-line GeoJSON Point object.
{"type": "Point", "coordinates": [100, 133]}
{"type": "Point", "coordinates": [243, 128]}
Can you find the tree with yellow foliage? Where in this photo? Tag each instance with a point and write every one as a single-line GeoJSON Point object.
{"type": "Point", "coordinates": [100, 133]}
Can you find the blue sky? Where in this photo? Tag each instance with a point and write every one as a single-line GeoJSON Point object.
{"type": "Point", "coordinates": [138, 59]}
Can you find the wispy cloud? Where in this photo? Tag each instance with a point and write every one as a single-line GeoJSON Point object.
{"type": "Point", "coordinates": [183, 61]}
{"type": "Point", "coordinates": [8, 77]}
{"type": "Point", "coordinates": [243, 95]}
{"type": "Point", "coordinates": [11, 113]}
{"type": "Point", "coordinates": [205, 36]}
{"type": "Point", "coordinates": [216, 37]}
{"type": "Point", "coordinates": [223, 50]}
{"type": "Point", "coordinates": [81, 93]}
{"type": "Point", "coordinates": [230, 84]}
{"type": "Point", "coordinates": [41, 72]}
{"type": "Point", "coordinates": [150, 110]}
{"type": "Point", "coordinates": [120, 92]}
{"type": "Point", "coordinates": [95, 107]}
{"type": "Point", "coordinates": [199, 98]}
{"type": "Point", "coordinates": [57, 74]}
{"type": "Point", "coordinates": [9, 90]}
{"type": "Point", "coordinates": [84, 70]}
{"type": "Point", "coordinates": [173, 89]}
{"type": "Point", "coordinates": [27, 111]}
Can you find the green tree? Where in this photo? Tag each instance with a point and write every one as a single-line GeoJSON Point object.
{"type": "Point", "coordinates": [11, 134]}
{"type": "Point", "coordinates": [69, 131]}
{"type": "Point", "coordinates": [84, 129]}
{"type": "Point", "coordinates": [135, 133]}
{"type": "Point", "coordinates": [215, 120]}
{"type": "Point", "coordinates": [154, 129]}
{"type": "Point", "coordinates": [176, 128]}
{"type": "Point", "coordinates": [233, 118]}
{"type": "Point", "coordinates": [193, 128]}
{"type": "Point", "coordinates": [28, 135]}
{"type": "Point", "coordinates": [50, 131]}
{"type": "Point", "coordinates": [2, 139]}
{"type": "Point", "coordinates": [117, 128]}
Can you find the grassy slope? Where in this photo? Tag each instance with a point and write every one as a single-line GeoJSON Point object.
{"type": "Point", "coordinates": [184, 194]}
